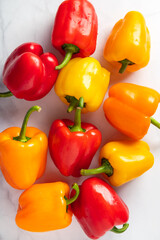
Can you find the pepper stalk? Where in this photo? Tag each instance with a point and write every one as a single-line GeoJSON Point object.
{"type": "Point", "coordinates": [104, 168]}
{"type": "Point", "coordinates": [155, 122]}
{"type": "Point", "coordinates": [6, 94]}
{"type": "Point", "coordinates": [73, 199]}
{"type": "Point", "coordinates": [69, 49]}
{"type": "Point", "coordinates": [120, 230]}
{"type": "Point", "coordinates": [78, 106]}
{"type": "Point", "coordinates": [22, 137]}
{"type": "Point", "coordinates": [125, 63]}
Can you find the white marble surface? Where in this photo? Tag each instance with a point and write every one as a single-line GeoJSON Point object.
{"type": "Point", "coordinates": [32, 20]}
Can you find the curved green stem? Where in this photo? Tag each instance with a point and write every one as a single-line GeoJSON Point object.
{"type": "Point", "coordinates": [120, 230]}
{"type": "Point", "coordinates": [73, 199]}
{"type": "Point", "coordinates": [69, 49]}
{"type": "Point", "coordinates": [104, 168]}
{"type": "Point", "coordinates": [67, 58]}
{"type": "Point", "coordinates": [6, 94]}
{"type": "Point", "coordinates": [77, 120]}
{"type": "Point", "coordinates": [155, 122]}
{"type": "Point", "coordinates": [73, 103]}
{"type": "Point", "coordinates": [125, 63]}
{"type": "Point", "coordinates": [22, 137]}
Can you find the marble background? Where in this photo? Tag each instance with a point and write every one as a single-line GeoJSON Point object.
{"type": "Point", "coordinates": [24, 21]}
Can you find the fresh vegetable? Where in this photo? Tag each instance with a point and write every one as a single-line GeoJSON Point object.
{"type": "Point", "coordinates": [122, 161]}
{"type": "Point", "coordinates": [83, 77]}
{"type": "Point", "coordinates": [23, 153]}
{"type": "Point", "coordinates": [75, 30]}
{"type": "Point", "coordinates": [98, 209]}
{"type": "Point", "coordinates": [73, 145]}
{"type": "Point", "coordinates": [129, 109]}
{"type": "Point", "coordinates": [45, 207]}
{"type": "Point", "coordinates": [128, 45]}
{"type": "Point", "coordinates": [29, 73]}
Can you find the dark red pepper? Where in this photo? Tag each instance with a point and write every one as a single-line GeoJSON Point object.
{"type": "Point", "coordinates": [75, 29]}
{"type": "Point", "coordinates": [29, 73]}
{"type": "Point", "coordinates": [73, 145]}
{"type": "Point", "coordinates": [98, 208]}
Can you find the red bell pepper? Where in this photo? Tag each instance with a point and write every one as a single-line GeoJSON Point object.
{"type": "Point", "coordinates": [73, 145]}
{"type": "Point", "coordinates": [98, 208]}
{"type": "Point", "coordinates": [75, 29]}
{"type": "Point", "coordinates": [29, 73]}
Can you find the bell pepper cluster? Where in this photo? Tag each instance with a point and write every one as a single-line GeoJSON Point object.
{"type": "Point", "coordinates": [82, 85]}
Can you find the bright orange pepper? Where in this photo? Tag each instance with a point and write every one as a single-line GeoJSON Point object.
{"type": "Point", "coordinates": [45, 207]}
{"type": "Point", "coordinates": [23, 159]}
{"type": "Point", "coordinates": [129, 109]}
{"type": "Point", "coordinates": [128, 45]}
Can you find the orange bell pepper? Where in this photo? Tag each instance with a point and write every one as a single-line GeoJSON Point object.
{"type": "Point", "coordinates": [23, 153]}
{"type": "Point", "coordinates": [129, 109]}
{"type": "Point", "coordinates": [45, 207]}
{"type": "Point", "coordinates": [128, 45]}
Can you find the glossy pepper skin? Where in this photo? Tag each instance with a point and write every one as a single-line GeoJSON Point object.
{"type": "Point", "coordinates": [75, 28]}
{"type": "Point", "coordinates": [23, 162]}
{"type": "Point", "coordinates": [42, 207]}
{"type": "Point", "coordinates": [122, 161]}
{"type": "Point", "coordinates": [98, 208]}
{"type": "Point", "coordinates": [71, 151]}
{"type": "Point", "coordinates": [129, 108]}
{"type": "Point", "coordinates": [29, 73]}
{"type": "Point", "coordinates": [129, 40]}
{"type": "Point", "coordinates": [83, 77]}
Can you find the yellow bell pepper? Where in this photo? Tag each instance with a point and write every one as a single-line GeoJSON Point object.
{"type": "Point", "coordinates": [122, 161]}
{"type": "Point", "coordinates": [83, 77]}
{"type": "Point", "coordinates": [128, 45]}
{"type": "Point", "coordinates": [45, 207]}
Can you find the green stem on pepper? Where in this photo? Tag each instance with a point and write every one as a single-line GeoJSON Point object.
{"type": "Point", "coordinates": [69, 49]}
{"type": "Point", "coordinates": [77, 120]}
{"type": "Point", "coordinates": [155, 122]}
{"type": "Point", "coordinates": [73, 103]}
{"type": "Point", "coordinates": [73, 199]}
{"type": "Point", "coordinates": [125, 63]}
{"type": "Point", "coordinates": [104, 168]}
{"type": "Point", "coordinates": [6, 94]}
{"type": "Point", "coordinates": [22, 137]}
{"type": "Point", "coordinates": [120, 230]}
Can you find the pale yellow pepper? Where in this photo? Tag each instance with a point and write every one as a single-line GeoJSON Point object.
{"type": "Point", "coordinates": [83, 77]}
{"type": "Point", "coordinates": [122, 161]}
